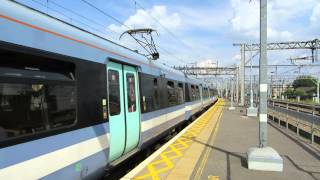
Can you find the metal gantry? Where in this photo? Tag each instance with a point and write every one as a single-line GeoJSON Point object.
{"type": "Point", "coordinates": [206, 71]}
{"type": "Point", "coordinates": [313, 45]}
{"type": "Point", "coordinates": [212, 72]}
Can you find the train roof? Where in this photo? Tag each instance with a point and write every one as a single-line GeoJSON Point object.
{"type": "Point", "coordinates": [25, 26]}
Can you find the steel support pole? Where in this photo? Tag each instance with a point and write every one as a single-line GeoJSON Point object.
{"type": "Point", "coordinates": [226, 89]}
{"type": "Point", "coordinates": [232, 94]}
{"type": "Point", "coordinates": [237, 86]}
{"type": "Point", "coordinates": [263, 158]}
{"type": "Point", "coordinates": [242, 74]}
{"type": "Point", "coordinates": [251, 86]}
{"type": "Point", "coordinates": [263, 78]}
{"type": "Point", "coordinates": [276, 83]}
{"type": "Point", "coordinates": [318, 100]}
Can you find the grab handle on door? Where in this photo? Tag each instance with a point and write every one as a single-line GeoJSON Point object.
{"type": "Point", "coordinates": [104, 109]}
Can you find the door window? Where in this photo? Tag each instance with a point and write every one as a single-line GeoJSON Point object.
{"type": "Point", "coordinates": [131, 92]}
{"type": "Point", "coordinates": [114, 92]}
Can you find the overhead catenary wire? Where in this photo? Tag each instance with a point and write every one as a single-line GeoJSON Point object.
{"type": "Point", "coordinates": [126, 26]}
{"type": "Point", "coordinates": [104, 13]}
{"type": "Point", "coordinates": [107, 36]}
{"type": "Point", "coordinates": [71, 19]}
{"type": "Point", "coordinates": [165, 28]}
{"type": "Point", "coordinates": [82, 16]}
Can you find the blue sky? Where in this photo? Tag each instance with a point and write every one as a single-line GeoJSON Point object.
{"type": "Point", "coordinates": [203, 30]}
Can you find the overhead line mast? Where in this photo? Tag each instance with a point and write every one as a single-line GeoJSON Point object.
{"type": "Point", "coordinates": [313, 45]}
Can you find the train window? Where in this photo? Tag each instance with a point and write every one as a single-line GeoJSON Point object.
{"type": "Point", "coordinates": [155, 94]}
{"type": "Point", "coordinates": [172, 98]}
{"type": "Point", "coordinates": [114, 92]}
{"type": "Point", "coordinates": [131, 93]}
{"type": "Point", "coordinates": [180, 93]}
{"type": "Point", "coordinates": [197, 92]}
{"type": "Point", "coordinates": [193, 93]}
{"type": "Point", "coordinates": [31, 108]}
{"type": "Point", "coordinates": [187, 92]}
{"type": "Point", "coordinates": [205, 92]}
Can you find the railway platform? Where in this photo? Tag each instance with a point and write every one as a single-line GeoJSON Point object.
{"type": "Point", "coordinates": [214, 147]}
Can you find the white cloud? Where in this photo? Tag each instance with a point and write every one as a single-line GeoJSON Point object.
{"type": "Point", "coordinates": [145, 19]}
{"type": "Point", "coordinates": [206, 18]}
{"type": "Point", "coordinates": [282, 15]}
{"type": "Point", "coordinates": [245, 18]}
{"type": "Point", "coordinates": [207, 63]}
{"type": "Point", "coordinates": [279, 35]}
{"type": "Point", "coordinates": [315, 17]}
{"type": "Point", "coordinates": [236, 57]}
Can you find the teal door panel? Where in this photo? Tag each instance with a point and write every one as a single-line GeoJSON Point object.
{"type": "Point", "coordinates": [132, 109]}
{"type": "Point", "coordinates": [116, 110]}
{"type": "Point", "coordinates": [124, 109]}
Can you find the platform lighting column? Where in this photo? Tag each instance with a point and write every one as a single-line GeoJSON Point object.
{"type": "Point", "coordinates": [263, 158]}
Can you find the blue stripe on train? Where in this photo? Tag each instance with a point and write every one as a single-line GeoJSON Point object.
{"type": "Point", "coordinates": [155, 131]}
{"type": "Point", "coordinates": [153, 114]}
{"type": "Point", "coordinates": [22, 152]}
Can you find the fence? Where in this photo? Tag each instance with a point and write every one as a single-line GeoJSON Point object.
{"type": "Point", "coordinates": [304, 119]}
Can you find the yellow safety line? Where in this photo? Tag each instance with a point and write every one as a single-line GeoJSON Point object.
{"type": "Point", "coordinates": [208, 150]}
{"type": "Point", "coordinates": [176, 149]}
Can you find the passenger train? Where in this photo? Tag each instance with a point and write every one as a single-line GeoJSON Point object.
{"type": "Point", "coordinates": [73, 104]}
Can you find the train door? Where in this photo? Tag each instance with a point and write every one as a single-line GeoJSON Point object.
{"type": "Point", "coordinates": [131, 107]}
{"type": "Point", "coordinates": [124, 119]}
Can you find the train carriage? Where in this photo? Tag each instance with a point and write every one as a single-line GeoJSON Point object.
{"type": "Point", "coordinates": [73, 104]}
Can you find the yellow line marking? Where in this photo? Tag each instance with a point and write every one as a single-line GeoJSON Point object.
{"type": "Point", "coordinates": [208, 149]}
{"type": "Point", "coordinates": [213, 177]}
{"type": "Point", "coordinates": [175, 150]}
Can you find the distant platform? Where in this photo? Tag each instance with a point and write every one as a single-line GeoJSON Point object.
{"type": "Point", "coordinates": [215, 146]}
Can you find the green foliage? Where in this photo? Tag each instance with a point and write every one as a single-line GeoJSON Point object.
{"type": "Point", "coordinates": [303, 86]}
{"type": "Point", "coordinates": [289, 93]}
{"type": "Point", "coordinates": [304, 81]}
{"type": "Point", "coordinates": [300, 92]}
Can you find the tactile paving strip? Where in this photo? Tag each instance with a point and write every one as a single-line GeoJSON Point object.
{"type": "Point", "coordinates": [162, 165]}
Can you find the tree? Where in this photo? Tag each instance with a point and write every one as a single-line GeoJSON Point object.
{"type": "Point", "coordinates": [304, 81]}
{"type": "Point", "coordinates": [300, 92]}
{"type": "Point", "coordinates": [289, 93]}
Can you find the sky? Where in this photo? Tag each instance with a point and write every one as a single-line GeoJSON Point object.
{"type": "Point", "coordinates": [196, 31]}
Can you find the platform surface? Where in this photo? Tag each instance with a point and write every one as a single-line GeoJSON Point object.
{"type": "Point", "coordinates": [237, 133]}
{"type": "Point", "coordinates": [215, 147]}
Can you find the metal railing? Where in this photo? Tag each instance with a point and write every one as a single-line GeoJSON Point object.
{"type": "Point", "coordinates": [303, 117]}
{"type": "Point", "coordinates": [300, 107]}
